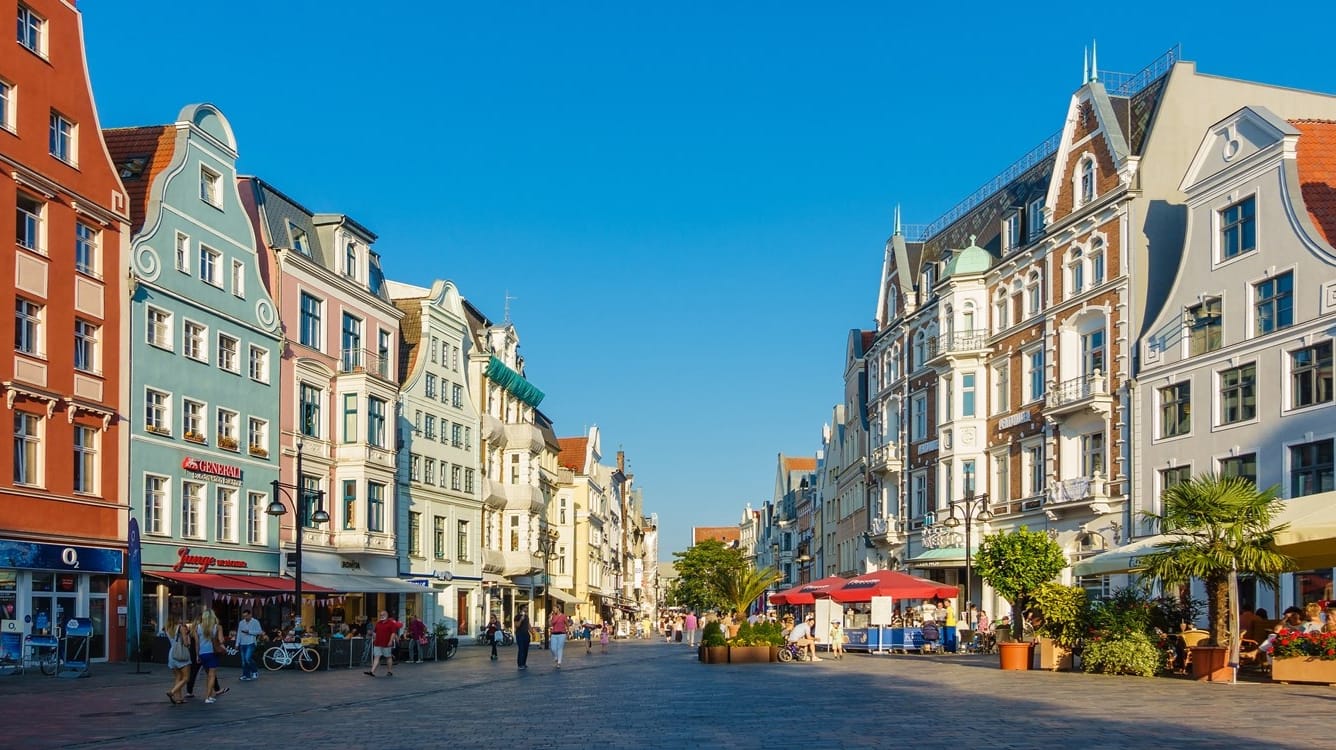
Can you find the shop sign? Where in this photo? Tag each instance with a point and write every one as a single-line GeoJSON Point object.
{"type": "Point", "coordinates": [202, 563]}
{"type": "Point", "coordinates": [350, 564]}
{"type": "Point", "coordinates": [225, 473]}
{"type": "Point", "coordinates": [1014, 419]}
{"type": "Point", "coordinates": [39, 556]}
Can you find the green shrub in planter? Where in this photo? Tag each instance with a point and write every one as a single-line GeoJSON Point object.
{"type": "Point", "coordinates": [768, 634]}
{"type": "Point", "coordinates": [1125, 653]}
{"type": "Point", "coordinates": [713, 635]}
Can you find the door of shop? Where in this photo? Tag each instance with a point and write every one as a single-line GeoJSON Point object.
{"type": "Point", "coordinates": [55, 598]}
{"type": "Point", "coordinates": [462, 608]}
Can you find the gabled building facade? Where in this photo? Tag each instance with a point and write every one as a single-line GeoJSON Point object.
{"type": "Point", "coordinates": [1237, 366]}
{"type": "Point", "coordinates": [339, 395]}
{"type": "Point", "coordinates": [206, 339]}
{"type": "Point", "coordinates": [62, 538]}
{"type": "Point", "coordinates": [440, 500]}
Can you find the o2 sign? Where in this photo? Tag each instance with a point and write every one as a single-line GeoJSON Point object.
{"type": "Point", "coordinates": [70, 556]}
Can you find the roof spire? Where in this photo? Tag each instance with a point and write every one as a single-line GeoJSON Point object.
{"type": "Point", "coordinates": [1094, 64]}
{"type": "Point", "coordinates": [1085, 65]}
{"type": "Point", "coordinates": [896, 230]}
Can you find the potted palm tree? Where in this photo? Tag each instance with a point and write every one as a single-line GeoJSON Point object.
{"type": "Point", "coordinates": [1221, 526]}
{"type": "Point", "coordinates": [737, 589]}
{"type": "Point", "coordinates": [1016, 564]}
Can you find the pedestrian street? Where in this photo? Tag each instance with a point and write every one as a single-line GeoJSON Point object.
{"type": "Point", "coordinates": [649, 694]}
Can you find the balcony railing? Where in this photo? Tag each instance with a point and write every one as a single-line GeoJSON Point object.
{"type": "Point", "coordinates": [364, 360]}
{"type": "Point", "coordinates": [959, 341]}
{"type": "Point", "coordinates": [1015, 505]}
{"type": "Point", "coordinates": [1077, 390]}
{"type": "Point", "coordinates": [885, 458]}
{"type": "Point", "coordinates": [1079, 489]}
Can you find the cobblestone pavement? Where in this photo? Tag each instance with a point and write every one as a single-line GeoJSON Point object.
{"type": "Point", "coordinates": [651, 695]}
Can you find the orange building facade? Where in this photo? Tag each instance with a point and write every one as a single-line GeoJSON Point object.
{"type": "Point", "coordinates": [62, 535]}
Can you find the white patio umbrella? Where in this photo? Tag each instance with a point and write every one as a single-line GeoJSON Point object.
{"type": "Point", "coordinates": [1124, 559]}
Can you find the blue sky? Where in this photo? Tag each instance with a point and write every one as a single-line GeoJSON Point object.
{"type": "Point", "coordinates": [687, 200]}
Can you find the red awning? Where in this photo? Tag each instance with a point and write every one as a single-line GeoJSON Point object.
{"type": "Point", "coordinates": [228, 582]}
{"type": "Point", "coordinates": [808, 592]}
{"type": "Point", "coordinates": [893, 584]}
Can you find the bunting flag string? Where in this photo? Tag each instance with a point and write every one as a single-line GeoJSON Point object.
{"type": "Point", "coordinates": [253, 601]}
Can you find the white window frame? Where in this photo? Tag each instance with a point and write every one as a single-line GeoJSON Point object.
{"type": "Point", "coordinates": [256, 502]}
{"type": "Point", "coordinates": [1219, 377]}
{"type": "Point", "coordinates": [35, 26]}
{"type": "Point", "coordinates": [1084, 192]}
{"type": "Point", "coordinates": [1034, 469]}
{"type": "Point", "coordinates": [161, 422]}
{"type": "Point", "coordinates": [195, 347]}
{"type": "Point", "coordinates": [1001, 377]}
{"type": "Point", "coordinates": [226, 523]}
{"type": "Point", "coordinates": [1289, 401]}
{"type": "Point", "coordinates": [63, 137]}
{"type": "Point", "coordinates": [1219, 228]}
{"type": "Point", "coordinates": [1034, 216]}
{"type": "Point", "coordinates": [225, 354]}
{"type": "Point", "coordinates": [210, 186]}
{"type": "Point", "coordinates": [1255, 318]}
{"type": "Point", "coordinates": [33, 221]}
{"type": "Point", "coordinates": [37, 475]}
{"type": "Point", "coordinates": [918, 416]}
{"type": "Point", "coordinates": [88, 241]}
{"type": "Point", "coordinates": [196, 412]}
{"type": "Point", "coordinates": [192, 510]}
{"type": "Point", "coordinates": [87, 340]}
{"type": "Point", "coordinates": [158, 515]}
{"type": "Point", "coordinates": [257, 436]}
{"type": "Point", "coordinates": [1028, 373]}
{"type": "Point", "coordinates": [257, 363]}
{"type": "Point", "coordinates": [210, 266]}
{"type": "Point", "coordinates": [181, 249]}
{"type": "Point", "coordinates": [227, 428]}
{"type": "Point", "coordinates": [9, 94]}
{"type": "Point", "coordinates": [238, 279]}
{"type": "Point", "coordinates": [33, 317]}
{"type": "Point", "coordinates": [167, 340]}
{"type": "Point", "coordinates": [1034, 294]}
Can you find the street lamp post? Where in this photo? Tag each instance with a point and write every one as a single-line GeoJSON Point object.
{"type": "Point", "coordinates": [276, 509]}
{"type": "Point", "coordinates": [547, 540]}
{"type": "Point", "coordinates": [975, 507]}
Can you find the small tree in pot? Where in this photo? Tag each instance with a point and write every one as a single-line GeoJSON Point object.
{"type": "Point", "coordinates": [1016, 564]}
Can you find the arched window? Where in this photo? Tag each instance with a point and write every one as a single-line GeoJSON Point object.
{"type": "Point", "coordinates": [920, 351]}
{"type": "Point", "coordinates": [893, 364]}
{"type": "Point", "coordinates": [948, 325]}
{"type": "Point", "coordinates": [1096, 261]}
{"type": "Point", "coordinates": [967, 318]}
{"type": "Point", "coordinates": [892, 301]}
{"type": "Point", "coordinates": [1000, 310]}
{"type": "Point", "coordinates": [1087, 181]}
{"type": "Point", "coordinates": [1034, 293]}
{"type": "Point", "coordinates": [1076, 270]}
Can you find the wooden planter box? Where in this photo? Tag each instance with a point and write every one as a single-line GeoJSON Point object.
{"type": "Point", "coordinates": [714, 654]}
{"type": "Point", "coordinates": [1303, 669]}
{"type": "Point", "coordinates": [1054, 657]}
{"type": "Point", "coordinates": [1210, 664]}
{"type": "Point", "coordinates": [748, 654]}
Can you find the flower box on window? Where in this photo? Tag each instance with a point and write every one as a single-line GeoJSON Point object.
{"type": "Point", "coordinates": [158, 430]}
{"type": "Point", "coordinates": [259, 452]}
{"type": "Point", "coordinates": [194, 437]}
{"type": "Point", "coordinates": [227, 443]}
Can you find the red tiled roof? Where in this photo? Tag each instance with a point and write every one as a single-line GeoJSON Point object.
{"type": "Point", "coordinates": [868, 336]}
{"type": "Point", "coordinates": [139, 154]}
{"type": "Point", "coordinates": [725, 534]}
{"type": "Point", "coordinates": [1317, 173]}
{"type": "Point", "coordinates": [573, 450]}
{"type": "Point", "coordinates": [800, 463]}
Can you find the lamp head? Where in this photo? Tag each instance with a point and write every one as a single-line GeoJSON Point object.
{"type": "Point", "coordinates": [276, 508]}
{"type": "Point", "coordinates": [952, 521]}
{"type": "Point", "coordinates": [320, 516]}
{"type": "Point", "coordinates": [985, 515]}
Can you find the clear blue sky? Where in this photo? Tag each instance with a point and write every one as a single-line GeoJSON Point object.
{"type": "Point", "coordinates": [688, 201]}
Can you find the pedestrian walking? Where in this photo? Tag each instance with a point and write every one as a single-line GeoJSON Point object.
{"type": "Point", "coordinates": [248, 631]}
{"type": "Point", "coordinates": [689, 624]}
{"type": "Point", "coordinates": [836, 639]}
{"type": "Point", "coordinates": [949, 622]}
{"type": "Point", "coordinates": [493, 634]}
{"type": "Point", "coordinates": [523, 634]}
{"type": "Point", "coordinates": [587, 633]}
{"type": "Point", "coordinates": [558, 625]}
{"type": "Point", "coordinates": [179, 661]}
{"type": "Point", "coordinates": [604, 636]}
{"type": "Point", "coordinates": [387, 634]}
{"type": "Point", "coordinates": [209, 634]}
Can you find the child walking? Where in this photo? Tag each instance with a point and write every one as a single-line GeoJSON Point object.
{"type": "Point", "coordinates": [836, 639]}
{"type": "Point", "coordinates": [603, 638]}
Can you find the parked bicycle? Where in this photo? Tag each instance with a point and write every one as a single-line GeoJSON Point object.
{"type": "Point", "coordinates": [792, 652]}
{"type": "Point", "coordinates": [288, 654]}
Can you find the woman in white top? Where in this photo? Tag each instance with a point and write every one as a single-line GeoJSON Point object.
{"type": "Point", "coordinates": [181, 636]}
{"type": "Point", "coordinates": [210, 636]}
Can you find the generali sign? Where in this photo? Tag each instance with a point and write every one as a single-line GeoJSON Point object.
{"type": "Point", "coordinates": [212, 470]}
{"type": "Point", "coordinates": [202, 563]}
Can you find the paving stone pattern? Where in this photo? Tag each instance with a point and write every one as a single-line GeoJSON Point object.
{"type": "Point", "coordinates": [655, 695]}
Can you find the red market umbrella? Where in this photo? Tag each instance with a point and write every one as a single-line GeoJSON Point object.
{"type": "Point", "coordinates": [807, 593]}
{"type": "Point", "coordinates": [893, 584]}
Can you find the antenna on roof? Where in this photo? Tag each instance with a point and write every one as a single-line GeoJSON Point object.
{"type": "Point", "coordinates": [508, 300]}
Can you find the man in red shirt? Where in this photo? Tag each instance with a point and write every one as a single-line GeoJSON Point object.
{"type": "Point", "coordinates": [387, 632]}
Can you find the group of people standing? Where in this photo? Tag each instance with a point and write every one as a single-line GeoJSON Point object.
{"type": "Point", "coordinates": [196, 646]}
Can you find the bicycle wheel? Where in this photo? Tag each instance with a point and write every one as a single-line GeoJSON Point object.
{"type": "Point", "coordinates": [450, 648]}
{"type": "Point", "coordinates": [274, 659]}
{"type": "Point", "coordinates": [309, 660]}
{"type": "Point", "coordinates": [48, 662]}
{"type": "Point", "coordinates": [785, 655]}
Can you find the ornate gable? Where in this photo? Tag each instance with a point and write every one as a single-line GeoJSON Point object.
{"type": "Point", "coordinates": [1093, 157]}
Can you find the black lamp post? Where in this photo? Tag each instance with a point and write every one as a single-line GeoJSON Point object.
{"type": "Point", "coordinates": [547, 541]}
{"type": "Point", "coordinates": [276, 509]}
{"type": "Point", "coordinates": [975, 507]}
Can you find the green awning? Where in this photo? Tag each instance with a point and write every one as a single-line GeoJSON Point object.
{"type": "Point", "coordinates": [512, 381]}
{"type": "Point", "coordinates": [941, 557]}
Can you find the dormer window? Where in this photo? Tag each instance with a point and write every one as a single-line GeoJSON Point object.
{"type": "Point", "coordinates": [299, 242]}
{"type": "Point", "coordinates": [1238, 232]}
{"type": "Point", "coordinates": [350, 260]}
{"type": "Point", "coordinates": [1011, 233]}
{"type": "Point", "coordinates": [1034, 215]}
{"type": "Point", "coordinates": [210, 187]}
{"type": "Point", "coordinates": [1087, 181]}
{"type": "Point", "coordinates": [929, 278]}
